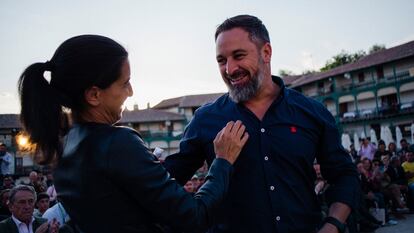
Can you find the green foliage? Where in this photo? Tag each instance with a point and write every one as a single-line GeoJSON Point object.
{"type": "Point", "coordinates": [343, 58]}
{"type": "Point", "coordinates": [284, 73]}
{"type": "Point", "coordinates": [375, 48]}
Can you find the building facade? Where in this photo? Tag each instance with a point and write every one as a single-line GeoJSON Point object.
{"type": "Point", "coordinates": [376, 91]}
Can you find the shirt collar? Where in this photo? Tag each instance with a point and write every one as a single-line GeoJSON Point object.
{"type": "Point", "coordinates": [18, 222]}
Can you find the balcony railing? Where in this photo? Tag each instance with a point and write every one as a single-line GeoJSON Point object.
{"type": "Point", "coordinates": [400, 76]}
{"type": "Point", "coordinates": [384, 111]}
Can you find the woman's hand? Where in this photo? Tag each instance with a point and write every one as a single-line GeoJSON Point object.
{"type": "Point", "coordinates": [230, 140]}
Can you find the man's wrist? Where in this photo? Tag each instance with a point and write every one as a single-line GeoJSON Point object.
{"type": "Point", "coordinates": [335, 223]}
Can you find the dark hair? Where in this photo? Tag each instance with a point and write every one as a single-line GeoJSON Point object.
{"type": "Point", "coordinates": [78, 64]}
{"type": "Point", "coordinates": [19, 188]}
{"type": "Point", "coordinates": [41, 196]}
{"type": "Point", "coordinates": [251, 24]}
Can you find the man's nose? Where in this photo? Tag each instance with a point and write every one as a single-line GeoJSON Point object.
{"type": "Point", "coordinates": [130, 91]}
{"type": "Point", "coordinates": [231, 66]}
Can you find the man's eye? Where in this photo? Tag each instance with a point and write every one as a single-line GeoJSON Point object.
{"type": "Point", "coordinates": [239, 56]}
{"type": "Point", "coordinates": [221, 61]}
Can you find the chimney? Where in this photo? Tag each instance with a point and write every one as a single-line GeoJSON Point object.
{"type": "Point", "coordinates": [136, 107]}
{"type": "Point", "coordinates": [148, 105]}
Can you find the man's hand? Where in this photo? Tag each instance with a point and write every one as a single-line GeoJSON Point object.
{"type": "Point", "coordinates": [230, 140]}
{"type": "Point", "coordinates": [52, 227]}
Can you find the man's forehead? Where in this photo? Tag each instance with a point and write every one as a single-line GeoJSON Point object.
{"type": "Point", "coordinates": [233, 35]}
{"type": "Point", "coordinates": [20, 195]}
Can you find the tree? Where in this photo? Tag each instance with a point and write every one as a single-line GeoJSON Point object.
{"type": "Point", "coordinates": [285, 72]}
{"type": "Point", "coordinates": [305, 72]}
{"type": "Point", "coordinates": [343, 58]}
{"type": "Point", "coordinates": [375, 48]}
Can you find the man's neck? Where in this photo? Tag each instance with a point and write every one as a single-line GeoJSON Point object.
{"type": "Point", "coordinates": [260, 103]}
{"type": "Point", "coordinates": [27, 222]}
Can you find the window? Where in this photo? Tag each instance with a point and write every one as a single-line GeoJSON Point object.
{"type": "Point", "coordinates": [361, 77]}
{"type": "Point", "coordinates": [380, 72]}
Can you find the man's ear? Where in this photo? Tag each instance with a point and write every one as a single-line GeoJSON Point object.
{"type": "Point", "coordinates": [266, 52]}
{"type": "Point", "coordinates": [92, 96]}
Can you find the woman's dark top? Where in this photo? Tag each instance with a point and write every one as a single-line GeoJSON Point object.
{"type": "Point", "coordinates": [109, 181]}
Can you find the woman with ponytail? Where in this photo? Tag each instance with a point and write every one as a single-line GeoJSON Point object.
{"type": "Point", "coordinates": [105, 177]}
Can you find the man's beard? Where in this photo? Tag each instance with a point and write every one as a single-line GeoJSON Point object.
{"type": "Point", "coordinates": [245, 92]}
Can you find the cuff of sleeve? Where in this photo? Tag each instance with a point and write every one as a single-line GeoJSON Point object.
{"type": "Point", "coordinates": [347, 193]}
{"type": "Point", "coordinates": [220, 164]}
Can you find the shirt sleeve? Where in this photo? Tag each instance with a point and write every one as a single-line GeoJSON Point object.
{"type": "Point", "coordinates": [336, 165]}
{"type": "Point", "coordinates": [143, 177]}
{"type": "Point", "coordinates": [185, 163]}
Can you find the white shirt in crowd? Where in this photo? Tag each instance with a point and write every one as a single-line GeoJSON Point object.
{"type": "Point", "coordinates": [22, 227]}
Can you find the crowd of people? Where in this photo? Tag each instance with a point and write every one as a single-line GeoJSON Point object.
{"type": "Point", "coordinates": [28, 206]}
{"type": "Point", "coordinates": [387, 184]}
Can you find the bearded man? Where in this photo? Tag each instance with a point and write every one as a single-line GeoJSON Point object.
{"type": "Point", "coordinates": [272, 187]}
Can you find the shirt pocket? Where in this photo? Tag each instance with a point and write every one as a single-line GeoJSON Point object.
{"type": "Point", "coordinates": [293, 142]}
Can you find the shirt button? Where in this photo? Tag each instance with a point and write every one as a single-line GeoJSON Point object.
{"type": "Point", "coordinates": [272, 187]}
{"type": "Point", "coordinates": [266, 158]}
{"type": "Point", "coordinates": [262, 130]}
{"type": "Point", "coordinates": [278, 218]}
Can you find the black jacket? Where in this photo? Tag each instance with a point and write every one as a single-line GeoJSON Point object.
{"type": "Point", "coordinates": [9, 226]}
{"type": "Point", "coordinates": [109, 181]}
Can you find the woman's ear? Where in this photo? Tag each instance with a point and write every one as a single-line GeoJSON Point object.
{"type": "Point", "coordinates": [92, 96]}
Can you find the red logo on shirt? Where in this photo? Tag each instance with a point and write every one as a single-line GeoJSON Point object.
{"type": "Point", "coordinates": [293, 129]}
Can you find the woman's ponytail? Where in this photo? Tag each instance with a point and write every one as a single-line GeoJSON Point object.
{"type": "Point", "coordinates": [41, 112]}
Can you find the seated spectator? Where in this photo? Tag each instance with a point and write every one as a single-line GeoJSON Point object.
{"type": "Point", "coordinates": [404, 147]}
{"type": "Point", "coordinates": [354, 154]}
{"type": "Point", "coordinates": [381, 150]}
{"type": "Point", "coordinates": [4, 208]}
{"type": "Point", "coordinates": [408, 167]}
{"type": "Point", "coordinates": [189, 186]}
{"type": "Point", "coordinates": [8, 182]}
{"type": "Point", "coordinates": [36, 183]}
{"type": "Point", "coordinates": [398, 183]}
{"type": "Point", "coordinates": [42, 204]}
{"type": "Point", "coordinates": [392, 148]}
{"type": "Point", "coordinates": [367, 149]}
{"type": "Point", "coordinates": [21, 204]}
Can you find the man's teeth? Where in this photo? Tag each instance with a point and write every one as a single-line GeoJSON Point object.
{"type": "Point", "coordinates": [237, 79]}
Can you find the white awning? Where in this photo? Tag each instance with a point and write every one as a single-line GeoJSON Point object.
{"type": "Point", "coordinates": [345, 99]}
{"type": "Point", "coordinates": [365, 95]}
{"type": "Point", "coordinates": [407, 87]}
{"type": "Point", "coordinates": [386, 91]}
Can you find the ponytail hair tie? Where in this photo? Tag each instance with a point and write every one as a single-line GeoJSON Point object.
{"type": "Point", "coordinates": [48, 66]}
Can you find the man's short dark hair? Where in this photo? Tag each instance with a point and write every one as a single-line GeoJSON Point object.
{"type": "Point", "coordinates": [251, 24]}
{"type": "Point", "coordinates": [18, 188]}
{"type": "Point", "coordinates": [403, 140]}
{"type": "Point", "coordinates": [41, 196]}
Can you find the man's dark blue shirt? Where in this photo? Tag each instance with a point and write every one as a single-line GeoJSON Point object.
{"type": "Point", "coordinates": [272, 187]}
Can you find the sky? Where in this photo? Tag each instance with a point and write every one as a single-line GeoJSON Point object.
{"type": "Point", "coordinates": [171, 43]}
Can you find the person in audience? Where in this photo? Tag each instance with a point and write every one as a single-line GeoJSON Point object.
{"type": "Point", "coordinates": [36, 183]}
{"type": "Point", "coordinates": [408, 167]}
{"type": "Point", "coordinates": [382, 150]}
{"type": "Point", "coordinates": [392, 148]}
{"type": "Point", "coordinates": [22, 200]}
{"type": "Point", "coordinates": [8, 182]}
{"type": "Point", "coordinates": [367, 149]}
{"type": "Point", "coordinates": [5, 160]}
{"type": "Point", "coordinates": [4, 207]}
{"type": "Point", "coordinates": [404, 146]}
{"type": "Point", "coordinates": [42, 204]}
{"type": "Point", "coordinates": [398, 183]}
